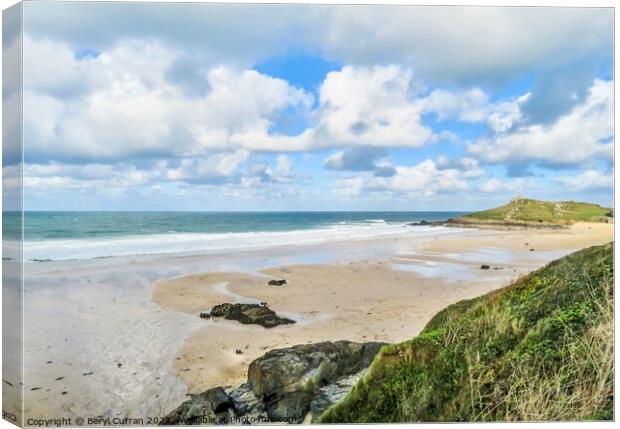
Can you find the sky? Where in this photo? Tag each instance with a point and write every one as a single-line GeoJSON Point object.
{"type": "Point", "coordinates": [134, 106]}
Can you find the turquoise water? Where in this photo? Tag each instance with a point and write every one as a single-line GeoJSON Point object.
{"type": "Point", "coordinates": [79, 235]}
{"type": "Point", "coordinates": [67, 225]}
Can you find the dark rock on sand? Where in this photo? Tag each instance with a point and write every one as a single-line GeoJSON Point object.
{"type": "Point", "coordinates": [205, 315]}
{"type": "Point", "coordinates": [484, 267]}
{"type": "Point", "coordinates": [286, 380]}
{"type": "Point", "coordinates": [250, 314]}
{"type": "Point", "coordinates": [200, 409]}
{"type": "Point", "coordinates": [276, 282]}
{"type": "Point", "coordinates": [422, 223]}
{"type": "Point", "coordinates": [292, 385]}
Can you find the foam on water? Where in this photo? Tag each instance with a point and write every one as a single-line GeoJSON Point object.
{"type": "Point", "coordinates": [201, 244]}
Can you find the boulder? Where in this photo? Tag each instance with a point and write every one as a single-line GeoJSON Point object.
{"type": "Point", "coordinates": [286, 380]}
{"type": "Point", "coordinates": [484, 267]}
{"type": "Point", "coordinates": [198, 410]}
{"type": "Point", "coordinates": [250, 314]}
{"type": "Point", "coordinates": [293, 385]}
{"type": "Point", "coordinates": [276, 282]}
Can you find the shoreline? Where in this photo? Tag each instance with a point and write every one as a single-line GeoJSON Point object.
{"type": "Point", "coordinates": [107, 310]}
{"type": "Point", "coordinates": [341, 301]}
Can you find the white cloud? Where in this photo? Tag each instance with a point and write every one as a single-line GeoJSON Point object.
{"type": "Point", "coordinates": [371, 106]}
{"type": "Point", "coordinates": [469, 167]}
{"type": "Point", "coordinates": [284, 165]}
{"type": "Point", "coordinates": [125, 106]}
{"type": "Point", "coordinates": [205, 169]}
{"type": "Point", "coordinates": [580, 135]}
{"type": "Point", "coordinates": [347, 188]}
{"type": "Point", "coordinates": [424, 179]}
{"type": "Point", "coordinates": [442, 42]}
{"type": "Point", "coordinates": [512, 186]}
{"type": "Point", "coordinates": [587, 180]}
{"type": "Point", "coordinates": [474, 106]}
{"type": "Point", "coordinates": [121, 105]}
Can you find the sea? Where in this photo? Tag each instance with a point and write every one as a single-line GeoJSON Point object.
{"type": "Point", "coordinates": [50, 236]}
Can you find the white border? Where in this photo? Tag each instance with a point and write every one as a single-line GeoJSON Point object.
{"type": "Point", "coordinates": [566, 3]}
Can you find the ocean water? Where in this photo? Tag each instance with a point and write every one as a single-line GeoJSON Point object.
{"type": "Point", "coordinates": [84, 235]}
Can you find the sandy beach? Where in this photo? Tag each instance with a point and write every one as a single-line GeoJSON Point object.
{"type": "Point", "coordinates": [120, 337]}
{"type": "Point", "coordinates": [387, 298]}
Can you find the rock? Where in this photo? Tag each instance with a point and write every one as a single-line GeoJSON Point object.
{"type": "Point", "coordinates": [195, 411]}
{"type": "Point", "coordinates": [245, 402]}
{"type": "Point", "coordinates": [427, 223]}
{"type": "Point", "coordinates": [205, 315]}
{"type": "Point", "coordinates": [421, 223]}
{"type": "Point", "coordinates": [250, 314]}
{"type": "Point", "coordinates": [291, 385]}
{"type": "Point", "coordinates": [209, 407]}
{"type": "Point", "coordinates": [218, 400]}
{"type": "Point", "coordinates": [531, 250]}
{"type": "Point", "coordinates": [239, 352]}
{"type": "Point", "coordinates": [484, 267]}
{"type": "Point", "coordinates": [286, 380]}
{"type": "Point", "coordinates": [332, 393]}
{"type": "Point", "coordinates": [276, 282]}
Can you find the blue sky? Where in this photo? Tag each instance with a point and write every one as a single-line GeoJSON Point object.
{"type": "Point", "coordinates": [280, 107]}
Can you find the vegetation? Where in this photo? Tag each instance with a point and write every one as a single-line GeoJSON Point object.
{"type": "Point", "coordinates": [523, 210]}
{"type": "Point", "coordinates": [539, 349]}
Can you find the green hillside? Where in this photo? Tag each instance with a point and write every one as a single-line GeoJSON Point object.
{"type": "Point", "coordinates": [523, 210]}
{"type": "Point", "coordinates": [539, 349]}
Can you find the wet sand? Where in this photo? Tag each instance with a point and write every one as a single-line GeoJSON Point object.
{"type": "Point", "coordinates": [385, 299]}
{"type": "Point", "coordinates": [83, 318]}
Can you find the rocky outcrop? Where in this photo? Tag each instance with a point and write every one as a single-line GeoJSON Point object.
{"type": "Point", "coordinates": [287, 380]}
{"type": "Point", "coordinates": [248, 314]}
{"type": "Point", "coordinates": [211, 406]}
{"type": "Point", "coordinates": [293, 385]}
{"type": "Point", "coordinates": [426, 223]}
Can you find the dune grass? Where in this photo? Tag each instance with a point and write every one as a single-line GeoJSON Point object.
{"type": "Point", "coordinates": [540, 349]}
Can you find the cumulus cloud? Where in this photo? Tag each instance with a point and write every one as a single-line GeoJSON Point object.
{"type": "Point", "coordinates": [423, 178]}
{"type": "Point", "coordinates": [588, 180]}
{"type": "Point", "coordinates": [284, 166]}
{"type": "Point", "coordinates": [474, 105]}
{"type": "Point", "coordinates": [371, 106]}
{"type": "Point", "coordinates": [512, 186]}
{"type": "Point", "coordinates": [462, 44]}
{"type": "Point", "coordinates": [211, 169]}
{"type": "Point", "coordinates": [361, 158]}
{"type": "Point", "coordinates": [469, 167]}
{"type": "Point", "coordinates": [427, 178]}
{"type": "Point", "coordinates": [349, 187]}
{"type": "Point", "coordinates": [583, 134]}
{"type": "Point", "coordinates": [155, 102]}
{"type": "Point", "coordinates": [122, 103]}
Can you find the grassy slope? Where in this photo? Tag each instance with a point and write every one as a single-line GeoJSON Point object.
{"type": "Point", "coordinates": [526, 210]}
{"type": "Point", "coordinates": [539, 349]}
